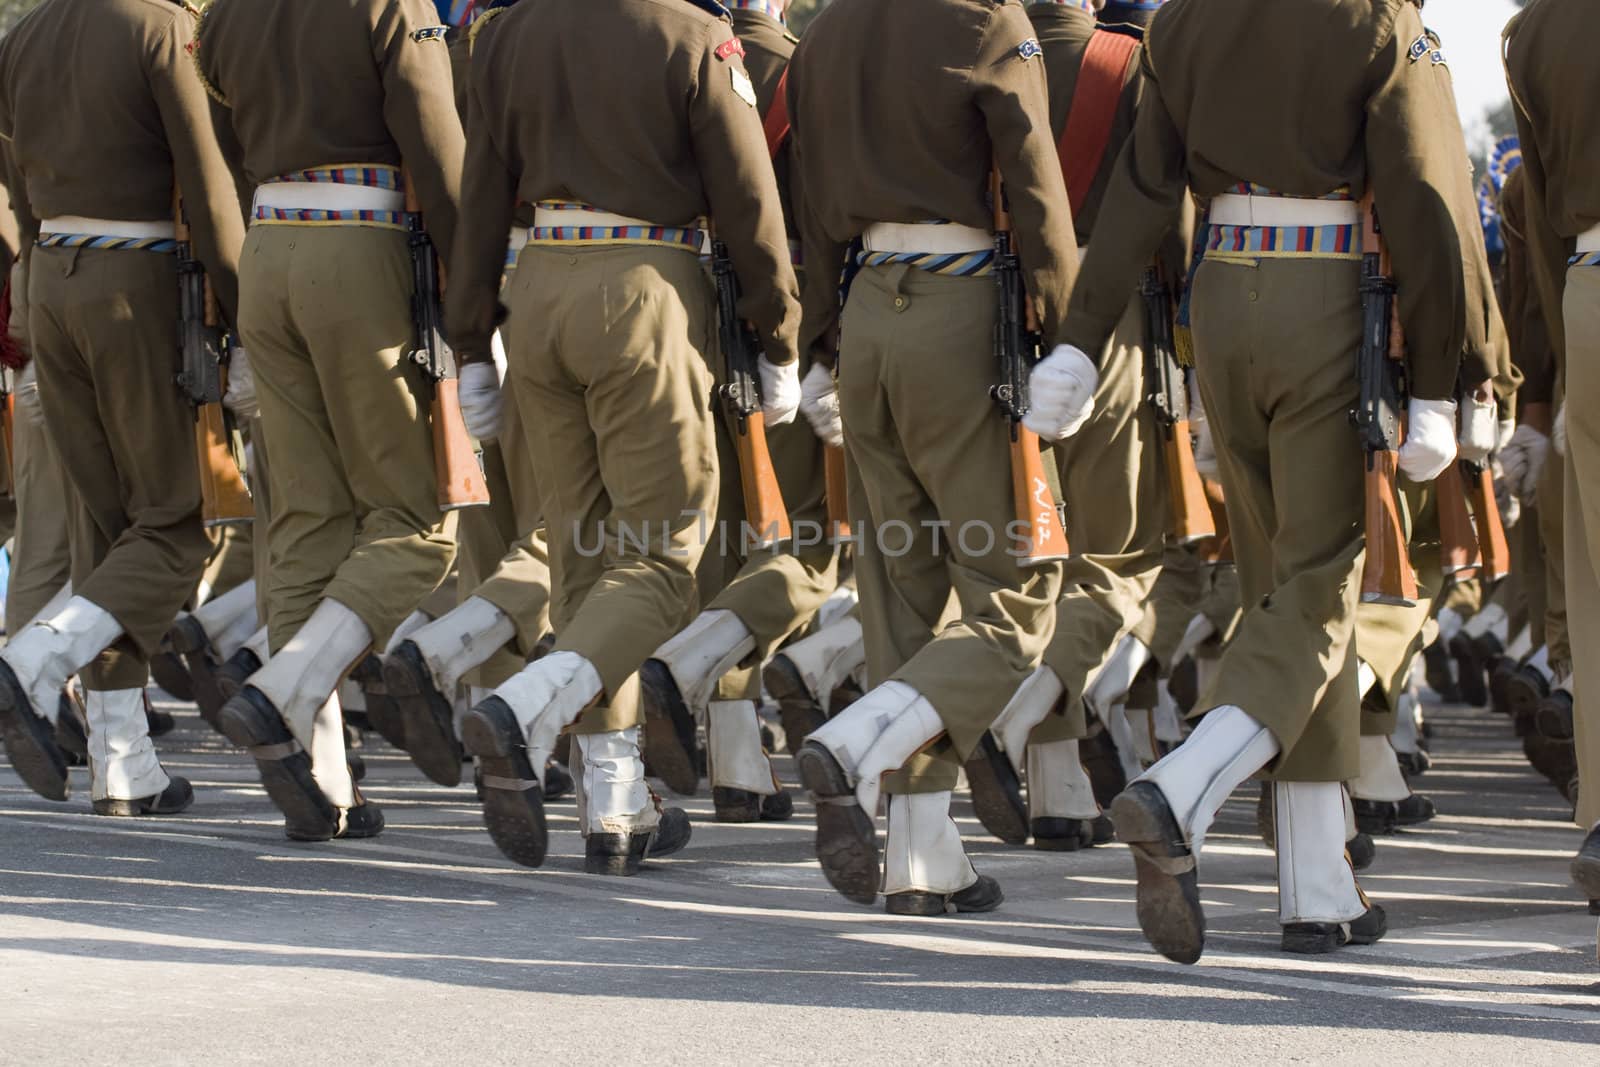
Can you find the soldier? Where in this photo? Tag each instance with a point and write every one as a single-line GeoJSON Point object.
{"type": "Point", "coordinates": [1551, 92]}
{"type": "Point", "coordinates": [755, 598]}
{"type": "Point", "coordinates": [355, 539]}
{"type": "Point", "coordinates": [897, 124]}
{"type": "Point", "coordinates": [93, 164]}
{"type": "Point", "coordinates": [1275, 335]}
{"type": "Point", "coordinates": [610, 315]}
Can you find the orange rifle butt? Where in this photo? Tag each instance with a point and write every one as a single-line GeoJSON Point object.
{"type": "Point", "coordinates": [836, 482]}
{"type": "Point", "coordinates": [1493, 551]}
{"type": "Point", "coordinates": [1191, 512]}
{"type": "Point", "coordinates": [1458, 541]}
{"type": "Point", "coordinates": [764, 512]}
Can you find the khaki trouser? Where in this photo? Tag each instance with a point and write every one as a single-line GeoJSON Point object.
{"type": "Point", "coordinates": [1276, 345]}
{"type": "Point", "coordinates": [503, 555]}
{"type": "Point", "coordinates": [325, 315]}
{"type": "Point", "coordinates": [1528, 562]}
{"type": "Point", "coordinates": [607, 361]}
{"type": "Point", "coordinates": [41, 559]}
{"type": "Point", "coordinates": [1187, 586]}
{"type": "Point", "coordinates": [1388, 636]}
{"type": "Point", "coordinates": [1552, 493]}
{"type": "Point", "coordinates": [232, 560]}
{"type": "Point", "coordinates": [1580, 308]}
{"type": "Point", "coordinates": [1113, 474]}
{"type": "Point", "coordinates": [929, 447]}
{"type": "Point", "coordinates": [104, 326]}
{"type": "Point", "coordinates": [260, 474]}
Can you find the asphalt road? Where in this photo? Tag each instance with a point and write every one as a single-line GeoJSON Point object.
{"type": "Point", "coordinates": [210, 938]}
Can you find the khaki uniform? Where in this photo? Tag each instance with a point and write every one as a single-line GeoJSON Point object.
{"type": "Point", "coordinates": [108, 144]}
{"type": "Point", "coordinates": [325, 309]}
{"type": "Point", "coordinates": [958, 85]}
{"type": "Point", "coordinates": [1276, 336]}
{"type": "Point", "coordinates": [41, 559]}
{"type": "Point", "coordinates": [627, 474]}
{"type": "Point", "coordinates": [773, 593]}
{"type": "Point", "coordinates": [1551, 88]}
{"type": "Point", "coordinates": [1112, 470]}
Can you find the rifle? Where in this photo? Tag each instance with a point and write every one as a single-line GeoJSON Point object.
{"type": "Point", "coordinates": [764, 512]}
{"type": "Point", "coordinates": [224, 497]}
{"type": "Point", "coordinates": [1458, 541]}
{"type": "Point", "coordinates": [834, 482]}
{"type": "Point", "coordinates": [457, 473]}
{"type": "Point", "coordinates": [1493, 550]}
{"type": "Point", "coordinates": [1387, 577]}
{"type": "Point", "coordinates": [1016, 348]}
{"type": "Point", "coordinates": [1167, 393]}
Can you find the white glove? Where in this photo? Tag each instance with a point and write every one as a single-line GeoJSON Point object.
{"type": "Point", "coordinates": [1205, 449]}
{"type": "Point", "coordinates": [780, 391]}
{"type": "Point", "coordinates": [478, 387]}
{"type": "Point", "coordinates": [1430, 439]}
{"type": "Point", "coordinates": [1480, 428]}
{"type": "Point", "coordinates": [1522, 460]}
{"type": "Point", "coordinates": [819, 403]}
{"type": "Point", "coordinates": [1558, 431]}
{"type": "Point", "coordinates": [1061, 393]}
{"type": "Point", "coordinates": [240, 396]}
{"type": "Point", "coordinates": [1507, 430]}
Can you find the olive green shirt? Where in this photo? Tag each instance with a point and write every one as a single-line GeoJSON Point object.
{"type": "Point", "coordinates": [302, 84]}
{"type": "Point", "coordinates": [899, 111]}
{"type": "Point", "coordinates": [638, 107]}
{"type": "Point", "coordinates": [1303, 98]}
{"type": "Point", "coordinates": [101, 111]}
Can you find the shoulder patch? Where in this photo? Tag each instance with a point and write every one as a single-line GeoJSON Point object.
{"type": "Point", "coordinates": [1419, 48]}
{"type": "Point", "coordinates": [743, 86]}
{"type": "Point", "coordinates": [1030, 48]}
{"type": "Point", "coordinates": [731, 47]}
{"type": "Point", "coordinates": [430, 33]}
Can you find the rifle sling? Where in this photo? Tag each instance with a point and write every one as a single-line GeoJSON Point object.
{"type": "Point", "coordinates": [1094, 111]}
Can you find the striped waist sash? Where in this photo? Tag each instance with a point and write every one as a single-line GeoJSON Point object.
{"type": "Point", "coordinates": [77, 231]}
{"type": "Point", "coordinates": [1252, 222]}
{"type": "Point", "coordinates": [365, 195]}
{"type": "Point", "coordinates": [1588, 249]}
{"type": "Point", "coordinates": [937, 246]}
{"type": "Point", "coordinates": [571, 222]}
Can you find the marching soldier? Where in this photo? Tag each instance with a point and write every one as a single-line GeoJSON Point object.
{"type": "Point", "coordinates": [1551, 91]}
{"type": "Point", "coordinates": [897, 124]}
{"type": "Point", "coordinates": [758, 598]}
{"type": "Point", "coordinates": [355, 540]}
{"type": "Point", "coordinates": [93, 163]}
{"type": "Point", "coordinates": [610, 315]}
{"type": "Point", "coordinates": [1277, 324]}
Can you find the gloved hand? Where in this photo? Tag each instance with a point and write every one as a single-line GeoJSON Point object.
{"type": "Point", "coordinates": [1061, 393]}
{"type": "Point", "coordinates": [1480, 428]}
{"type": "Point", "coordinates": [1205, 449]}
{"type": "Point", "coordinates": [1503, 435]}
{"type": "Point", "coordinates": [240, 396]}
{"type": "Point", "coordinates": [1522, 459]}
{"type": "Point", "coordinates": [780, 391]}
{"type": "Point", "coordinates": [1505, 494]}
{"type": "Point", "coordinates": [478, 386]}
{"type": "Point", "coordinates": [1558, 431]}
{"type": "Point", "coordinates": [819, 403]}
{"type": "Point", "coordinates": [1430, 439]}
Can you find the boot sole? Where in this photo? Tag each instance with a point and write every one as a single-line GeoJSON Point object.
{"type": "Point", "coordinates": [667, 720]}
{"type": "Point", "coordinates": [798, 710]}
{"type": "Point", "coordinates": [311, 816]}
{"type": "Point", "coordinates": [1171, 918]}
{"type": "Point", "coordinates": [847, 844]}
{"type": "Point", "coordinates": [624, 864]}
{"type": "Point", "coordinates": [997, 793]}
{"type": "Point", "coordinates": [429, 719]}
{"type": "Point", "coordinates": [1313, 942]}
{"type": "Point", "coordinates": [514, 817]}
{"type": "Point", "coordinates": [919, 903]}
{"type": "Point", "coordinates": [30, 740]}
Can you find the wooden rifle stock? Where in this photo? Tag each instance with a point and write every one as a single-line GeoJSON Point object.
{"type": "Point", "coordinates": [458, 476]}
{"type": "Point", "coordinates": [1493, 551]}
{"type": "Point", "coordinates": [835, 483]}
{"type": "Point", "coordinates": [1041, 536]}
{"type": "Point", "coordinates": [224, 497]}
{"type": "Point", "coordinates": [1219, 547]}
{"type": "Point", "coordinates": [764, 511]}
{"type": "Point", "coordinates": [1186, 491]}
{"type": "Point", "coordinates": [1458, 541]}
{"type": "Point", "coordinates": [1387, 576]}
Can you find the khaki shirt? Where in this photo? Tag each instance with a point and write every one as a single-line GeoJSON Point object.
{"type": "Point", "coordinates": [1525, 326]}
{"type": "Point", "coordinates": [897, 117]}
{"type": "Point", "coordinates": [768, 45]}
{"type": "Point", "coordinates": [1554, 88]}
{"type": "Point", "coordinates": [637, 107]}
{"type": "Point", "coordinates": [316, 83]}
{"type": "Point", "coordinates": [1302, 98]}
{"type": "Point", "coordinates": [101, 111]}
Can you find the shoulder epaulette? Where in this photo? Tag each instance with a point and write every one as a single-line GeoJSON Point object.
{"type": "Point", "coordinates": [193, 48]}
{"type": "Point", "coordinates": [479, 23]}
{"type": "Point", "coordinates": [712, 7]}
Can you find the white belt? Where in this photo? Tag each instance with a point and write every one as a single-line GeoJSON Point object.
{"type": "Point", "coordinates": [516, 240]}
{"type": "Point", "coordinates": [137, 231]}
{"type": "Point", "coordinates": [935, 238]}
{"type": "Point", "coordinates": [327, 196]}
{"type": "Point", "coordinates": [1589, 241]}
{"type": "Point", "coordinates": [548, 218]}
{"type": "Point", "coordinates": [1234, 209]}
